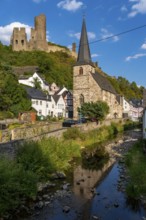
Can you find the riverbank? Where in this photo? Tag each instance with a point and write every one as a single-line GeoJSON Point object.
{"type": "Point", "coordinates": [40, 159]}
{"type": "Point", "coordinates": [69, 201]}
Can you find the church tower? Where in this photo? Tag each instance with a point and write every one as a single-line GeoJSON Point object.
{"type": "Point", "coordinates": [81, 72]}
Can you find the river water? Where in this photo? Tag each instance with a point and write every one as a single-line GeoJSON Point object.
{"type": "Point", "coordinates": [93, 199]}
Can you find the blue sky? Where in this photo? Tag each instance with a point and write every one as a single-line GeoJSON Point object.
{"type": "Point", "coordinates": [123, 55]}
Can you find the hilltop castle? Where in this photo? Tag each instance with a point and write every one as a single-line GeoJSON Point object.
{"type": "Point", "coordinates": [37, 40]}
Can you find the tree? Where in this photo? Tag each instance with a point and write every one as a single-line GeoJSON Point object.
{"type": "Point", "coordinates": [37, 84]}
{"type": "Point", "coordinates": [13, 97]}
{"type": "Point", "coordinates": [94, 110]}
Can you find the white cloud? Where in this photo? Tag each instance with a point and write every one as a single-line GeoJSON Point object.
{"type": "Point", "coordinates": [76, 35]}
{"type": "Point", "coordinates": [70, 5]}
{"type": "Point", "coordinates": [6, 31]}
{"type": "Point", "coordinates": [136, 56]}
{"type": "Point", "coordinates": [124, 9]}
{"type": "Point", "coordinates": [143, 46]}
{"type": "Point", "coordinates": [106, 34]}
{"type": "Point", "coordinates": [138, 7]}
{"type": "Point", "coordinates": [94, 55]}
{"type": "Point", "coordinates": [38, 1]}
{"type": "Point", "coordinates": [91, 35]}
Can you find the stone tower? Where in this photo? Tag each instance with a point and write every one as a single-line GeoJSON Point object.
{"type": "Point", "coordinates": [37, 39]}
{"type": "Point", "coordinates": [19, 39]}
{"type": "Point", "coordinates": [38, 34]}
{"type": "Point", "coordinates": [81, 72]}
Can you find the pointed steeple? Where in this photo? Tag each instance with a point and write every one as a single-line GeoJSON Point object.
{"type": "Point", "coordinates": [84, 56]}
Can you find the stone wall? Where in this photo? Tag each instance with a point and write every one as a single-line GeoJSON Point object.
{"type": "Point", "coordinates": [29, 131]}
{"type": "Point", "coordinates": [9, 148]}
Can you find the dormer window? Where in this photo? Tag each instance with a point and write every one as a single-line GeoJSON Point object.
{"type": "Point", "coordinates": [81, 71]}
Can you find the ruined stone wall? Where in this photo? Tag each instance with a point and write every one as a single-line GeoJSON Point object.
{"type": "Point", "coordinates": [37, 40]}
{"type": "Point", "coordinates": [19, 39]}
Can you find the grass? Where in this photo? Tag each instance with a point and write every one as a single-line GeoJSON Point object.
{"type": "Point", "coordinates": [136, 166]}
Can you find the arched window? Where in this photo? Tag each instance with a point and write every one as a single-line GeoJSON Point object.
{"type": "Point", "coordinates": [81, 100]}
{"type": "Point", "coordinates": [81, 71]}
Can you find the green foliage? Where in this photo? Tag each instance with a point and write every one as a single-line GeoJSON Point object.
{"type": "Point", "coordinates": [136, 165]}
{"type": "Point", "coordinates": [47, 156]}
{"type": "Point", "coordinates": [125, 88]}
{"type": "Point", "coordinates": [73, 134]}
{"type": "Point", "coordinates": [131, 125]}
{"type": "Point", "coordinates": [55, 67]}
{"type": "Point", "coordinates": [6, 114]}
{"type": "Point", "coordinates": [13, 97]}
{"type": "Point", "coordinates": [15, 183]}
{"type": "Point", "coordinates": [97, 110]}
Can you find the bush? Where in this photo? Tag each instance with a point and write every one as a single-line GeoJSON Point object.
{"type": "Point", "coordinates": [15, 183]}
{"type": "Point", "coordinates": [136, 165]}
{"type": "Point", "coordinates": [73, 134]}
{"type": "Point", "coordinates": [47, 156]}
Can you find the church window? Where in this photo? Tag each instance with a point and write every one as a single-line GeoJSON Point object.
{"type": "Point", "coordinates": [81, 71]}
{"type": "Point", "coordinates": [16, 41]}
{"type": "Point", "coordinates": [22, 42]}
{"type": "Point", "coordinates": [81, 99]}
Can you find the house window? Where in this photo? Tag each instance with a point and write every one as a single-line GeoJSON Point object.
{"type": "Point", "coordinates": [40, 112]}
{"type": "Point", "coordinates": [60, 106]}
{"type": "Point", "coordinates": [81, 71]}
{"type": "Point", "coordinates": [33, 102]}
{"type": "Point", "coordinates": [47, 105]}
{"type": "Point", "coordinates": [36, 102]}
{"type": "Point", "coordinates": [60, 114]}
{"type": "Point", "coordinates": [81, 100]}
{"type": "Point", "coordinates": [40, 102]}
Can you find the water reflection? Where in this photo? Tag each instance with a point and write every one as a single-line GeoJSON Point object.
{"type": "Point", "coordinates": [86, 179]}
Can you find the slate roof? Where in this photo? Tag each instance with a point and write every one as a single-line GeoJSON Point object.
{"type": "Point", "coordinates": [136, 102]}
{"type": "Point", "coordinates": [103, 82]}
{"type": "Point", "coordinates": [37, 94]}
{"type": "Point", "coordinates": [56, 97]}
{"type": "Point", "coordinates": [84, 56]}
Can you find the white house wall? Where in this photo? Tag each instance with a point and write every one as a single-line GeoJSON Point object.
{"type": "Point", "coordinates": [51, 108]}
{"type": "Point", "coordinates": [41, 106]}
{"type": "Point", "coordinates": [30, 80]}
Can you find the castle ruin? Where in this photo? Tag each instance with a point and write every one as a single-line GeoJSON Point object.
{"type": "Point", "coordinates": [37, 40]}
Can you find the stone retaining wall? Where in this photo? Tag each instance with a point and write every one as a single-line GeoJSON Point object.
{"type": "Point", "coordinates": [11, 147]}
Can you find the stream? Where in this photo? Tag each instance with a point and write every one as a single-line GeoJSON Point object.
{"type": "Point", "coordinates": [94, 194]}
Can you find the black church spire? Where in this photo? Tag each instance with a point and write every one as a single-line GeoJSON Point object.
{"type": "Point", "coordinates": [84, 56]}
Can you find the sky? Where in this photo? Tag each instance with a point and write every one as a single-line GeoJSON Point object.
{"type": "Point", "coordinates": [121, 55]}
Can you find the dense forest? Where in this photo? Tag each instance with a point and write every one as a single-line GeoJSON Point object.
{"type": "Point", "coordinates": [54, 67]}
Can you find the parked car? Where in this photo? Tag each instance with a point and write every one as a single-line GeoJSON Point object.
{"type": "Point", "coordinates": [82, 120]}
{"type": "Point", "coordinates": [69, 123]}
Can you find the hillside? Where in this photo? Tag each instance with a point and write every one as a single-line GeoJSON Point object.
{"type": "Point", "coordinates": [57, 67]}
{"type": "Point", "coordinates": [54, 67]}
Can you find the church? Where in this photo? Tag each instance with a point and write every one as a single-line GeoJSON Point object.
{"type": "Point", "coordinates": [89, 84]}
